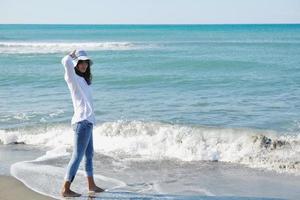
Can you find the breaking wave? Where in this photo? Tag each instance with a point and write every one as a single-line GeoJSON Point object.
{"type": "Point", "coordinates": [155, 140]}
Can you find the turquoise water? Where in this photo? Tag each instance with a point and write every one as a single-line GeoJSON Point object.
{"type": "Point", "coordinates": [213, 75]}
{"type": "Point", "coordinates": [170, 101]}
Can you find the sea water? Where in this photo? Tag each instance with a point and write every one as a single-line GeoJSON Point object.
{"type": "Point", "coordinates": [174, 104]}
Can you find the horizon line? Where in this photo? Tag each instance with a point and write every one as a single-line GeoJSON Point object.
{"type": "Point", "coordinates": [297, 23]}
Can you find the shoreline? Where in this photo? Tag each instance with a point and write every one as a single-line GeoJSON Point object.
{"type": "Point", "coordinates": [13, 189]}
{"type": "Point", "coordinates": [245, 182]}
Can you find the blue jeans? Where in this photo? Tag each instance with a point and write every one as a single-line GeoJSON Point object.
{"type": "Point", "coordinates": [83, 146]}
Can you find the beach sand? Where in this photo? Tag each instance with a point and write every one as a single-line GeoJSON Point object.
{"type": "Point", "coordinates": [13, 189]}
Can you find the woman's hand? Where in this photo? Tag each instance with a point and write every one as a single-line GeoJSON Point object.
{"type": "Point", "coordinates": [72, 54]}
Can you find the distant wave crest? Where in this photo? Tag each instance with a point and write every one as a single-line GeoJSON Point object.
{"type": "Point", "coordinates": [56, 47]}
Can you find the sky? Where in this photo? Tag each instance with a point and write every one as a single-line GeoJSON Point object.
{"type": "Point", "coordinates": [149, 11]}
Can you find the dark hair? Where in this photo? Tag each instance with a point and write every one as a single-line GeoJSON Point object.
{"type": "Point", "coordinates": [87, 75]}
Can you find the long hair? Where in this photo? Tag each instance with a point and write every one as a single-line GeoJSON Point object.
{"type": "Point", "coordinates": [87, 75]}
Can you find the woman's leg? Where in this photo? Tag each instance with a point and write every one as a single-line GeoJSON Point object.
{"type": "Point", "coordinates": [81, 141]}
{"type": "Point", "coordinates": [89, 153]}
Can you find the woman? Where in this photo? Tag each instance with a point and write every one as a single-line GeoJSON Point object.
{"type": "Point", "coordinates": [78, 77]}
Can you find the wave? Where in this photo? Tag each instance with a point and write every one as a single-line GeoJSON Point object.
{"type": "Point", "coordinates": [58, 47]}
{"type": "Point", "coordinates": [157, 141]}
{"type": "Point", "coordinates": [233, 42]}
{"type": "Point", "coordinates": [37, 176]}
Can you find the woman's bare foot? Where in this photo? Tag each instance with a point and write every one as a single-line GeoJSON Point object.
{"type": "Point", "coordinates": [96, 189]}
{"type": "Point", "coordinates": [69, 193]}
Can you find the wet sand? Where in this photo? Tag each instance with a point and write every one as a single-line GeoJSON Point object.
{"type": "Point", "coordinates": [13, 189]}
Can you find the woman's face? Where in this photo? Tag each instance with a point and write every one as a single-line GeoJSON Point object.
{"type": "Point", "coordinates": [82, 65]}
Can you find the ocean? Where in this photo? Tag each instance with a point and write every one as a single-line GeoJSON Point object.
{"type": "Point", "coordinates": [182, 111]}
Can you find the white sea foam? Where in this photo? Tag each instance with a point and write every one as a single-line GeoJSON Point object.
{"type": "Point", "coordinates": [38, 177]}
{"type": "Point", "coordinates": [157, 141]}
{"type": "Point", "coordinates": [57, 47]}
{"type": "Point", "coordinates": [158, 180]}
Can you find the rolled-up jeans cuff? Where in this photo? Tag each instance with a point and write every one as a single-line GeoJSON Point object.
{"type": "Point", "coordinates": [89, 173]}
{"type": "Point", "coordinates": [70, 179]}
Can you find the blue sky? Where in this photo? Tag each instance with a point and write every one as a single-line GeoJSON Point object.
{"type": "Point", "coordinates": [150, 11]}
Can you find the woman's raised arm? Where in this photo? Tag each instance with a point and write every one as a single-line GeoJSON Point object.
{"type": "Point", "coordinates": [67, 62]}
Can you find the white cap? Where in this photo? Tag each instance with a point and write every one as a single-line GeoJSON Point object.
{"type": "Point", "coordinates": [81, 55]}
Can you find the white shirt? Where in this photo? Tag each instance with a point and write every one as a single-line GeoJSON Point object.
{"type": "Point", "coordinates": [81, 93]}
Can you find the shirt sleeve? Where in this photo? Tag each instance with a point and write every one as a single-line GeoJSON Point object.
{"type": "Point", "coordinates": [69, 69]}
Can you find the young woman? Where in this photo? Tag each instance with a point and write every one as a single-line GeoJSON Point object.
{"type": "Point", "coordinates": [78, 77]}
